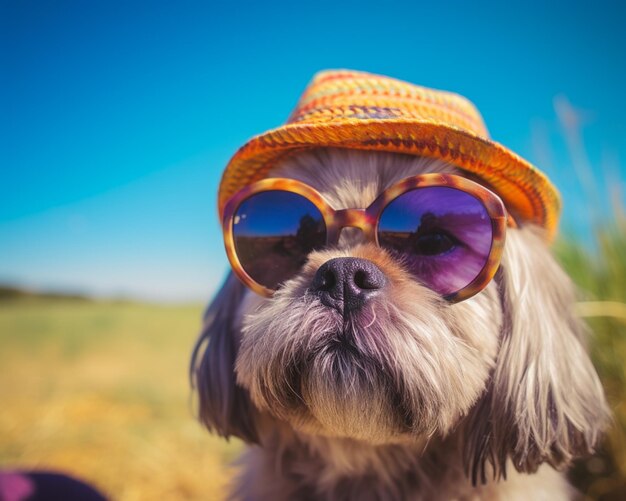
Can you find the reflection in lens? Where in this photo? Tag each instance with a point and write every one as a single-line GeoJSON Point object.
{"type": "Point", "coordinates": [443, 236]}
{"type": "Point", "coordinates": [274, 231]}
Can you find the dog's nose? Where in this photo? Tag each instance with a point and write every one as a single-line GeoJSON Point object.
{"type": "Point", "coordinates": [346, 283]}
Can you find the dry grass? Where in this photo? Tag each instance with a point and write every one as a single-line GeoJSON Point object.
{"type": "Point", "coordinates": [600, 272]}
{"type": "Point", "coordinates": [99, 390]}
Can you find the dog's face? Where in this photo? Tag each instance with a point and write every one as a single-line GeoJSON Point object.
{"type": "Point", "coordinates": [505, 366]}
{"type": "Point", "coordinates": [402, 365]}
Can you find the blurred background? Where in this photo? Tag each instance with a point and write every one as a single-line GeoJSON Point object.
{"type": "Point", "coordinates": [116, 120]}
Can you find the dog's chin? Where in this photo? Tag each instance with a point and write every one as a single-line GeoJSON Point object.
{"type": "Point", "coordinates": [347, 389]}
{"type": "Point", "coordinates": [340, 384]}
{"type": "Point", "coordinates": [396, 371]}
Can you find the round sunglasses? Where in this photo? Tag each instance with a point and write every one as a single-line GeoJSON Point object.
{"type": "Point", "coordinates": [445, 230]}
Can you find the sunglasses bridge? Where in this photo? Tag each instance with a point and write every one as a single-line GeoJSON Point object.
{"type": "Point", "coordinates": [351, 218]}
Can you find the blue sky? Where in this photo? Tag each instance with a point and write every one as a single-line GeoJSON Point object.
{"type": "Point", "coordinates": [117, 118]}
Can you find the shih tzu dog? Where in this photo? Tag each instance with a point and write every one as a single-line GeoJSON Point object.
{"type": "Point", "coordinates": [395, 326]}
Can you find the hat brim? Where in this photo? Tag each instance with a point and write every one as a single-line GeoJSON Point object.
{"type": "Point", "coordinates": [527, 193]}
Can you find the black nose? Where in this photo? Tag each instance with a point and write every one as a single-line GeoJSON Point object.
{"type": "Point", "coordinates": [346, 283]}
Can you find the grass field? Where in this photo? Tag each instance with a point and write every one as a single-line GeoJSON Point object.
{"type": "Point", "coordinates": [100, 389]}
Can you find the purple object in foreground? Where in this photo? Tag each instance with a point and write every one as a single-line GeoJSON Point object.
{"type": "Point", "coordinates": [44, 486]}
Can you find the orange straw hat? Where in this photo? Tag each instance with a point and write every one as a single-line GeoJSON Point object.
{"type": "Point", "coordinates": [350, 109]}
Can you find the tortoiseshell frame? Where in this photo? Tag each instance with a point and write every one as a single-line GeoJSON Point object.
{"type": "Point", "coordinates": [367, 221]}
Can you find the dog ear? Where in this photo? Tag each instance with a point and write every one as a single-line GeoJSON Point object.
{"type": "Point", "coordinates": [225, 407]}
{"type": "Point", "coordinates": [544, 402]}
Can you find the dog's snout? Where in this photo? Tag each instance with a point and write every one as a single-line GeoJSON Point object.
{"type": "Point", "coordinates": [347, 283]}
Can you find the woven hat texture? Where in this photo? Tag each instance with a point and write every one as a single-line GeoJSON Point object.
{"type": "Point", "coordinates": [351, 109]}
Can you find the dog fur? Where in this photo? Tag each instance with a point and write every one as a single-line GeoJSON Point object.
{"type": "Point", "coordinates": [411, 398]}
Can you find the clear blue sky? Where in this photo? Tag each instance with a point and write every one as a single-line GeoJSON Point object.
{"type": "Point", "coordinates": [117, 118]}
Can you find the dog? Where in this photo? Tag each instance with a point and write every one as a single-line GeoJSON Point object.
{"type": "Point", "coordinates": [389, 389]}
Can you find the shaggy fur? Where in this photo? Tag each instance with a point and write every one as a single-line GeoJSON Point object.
{"type": "Point", "coordinates": [411, 397]}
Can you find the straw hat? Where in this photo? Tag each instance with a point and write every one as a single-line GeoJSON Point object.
{"type": "Point", "coordinates": [350, 109]}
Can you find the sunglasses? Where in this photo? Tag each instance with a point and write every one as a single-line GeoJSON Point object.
{"type": "Point", "coordinates": [445, 230]}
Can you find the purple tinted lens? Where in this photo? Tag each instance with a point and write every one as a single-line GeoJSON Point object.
{"type": "Point", "coordinates": [274, 231]}
{"type": "Point", "coordinates": [443, 235]}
